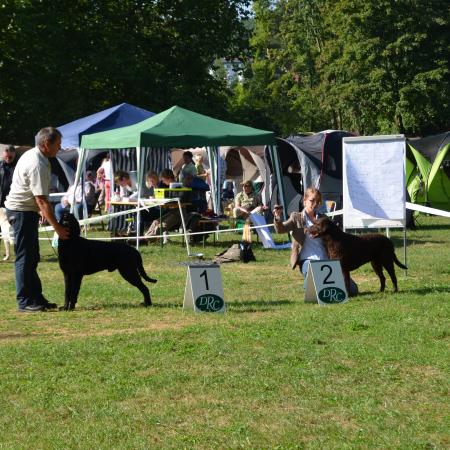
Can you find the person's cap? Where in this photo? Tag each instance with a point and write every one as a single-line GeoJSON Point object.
{"type": "Point", "coordinates": [248, 183]}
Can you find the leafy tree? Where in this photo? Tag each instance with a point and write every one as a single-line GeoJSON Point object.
{"type": "Point", "coordinates": [60, 60]}
{"type": "Point", "coordinates": [370, 66]}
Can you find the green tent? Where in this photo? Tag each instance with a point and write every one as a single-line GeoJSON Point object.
{"type": "Point", "coordinates": [428, 181]}
{"type": "Point", "coordinates": [179, 127]}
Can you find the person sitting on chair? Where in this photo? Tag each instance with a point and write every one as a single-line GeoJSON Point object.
{"type": "Point", "coordinates": [68, 199]}
{"type": "Point", "coordinates": [247, 202]}
{"type": "Point", "coordinates": [167, 176]}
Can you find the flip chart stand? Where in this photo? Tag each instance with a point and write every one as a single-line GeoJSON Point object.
{"type": "Point", "coordinates": [325, 283]}
{"type": "Point", "coordinates": [204, 291]}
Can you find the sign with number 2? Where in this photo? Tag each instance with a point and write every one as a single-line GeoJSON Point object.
{"type": "Point", "coordinates": [325, 283]}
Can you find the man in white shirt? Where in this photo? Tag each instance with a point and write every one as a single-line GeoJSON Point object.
{"type": "Point", "coordinates": [29, 196]}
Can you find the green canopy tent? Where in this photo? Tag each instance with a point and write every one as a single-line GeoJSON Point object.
{"type": "Point", "coordinates": [179, 127]}
{"type": "Point", "coordinates": [429, 177]}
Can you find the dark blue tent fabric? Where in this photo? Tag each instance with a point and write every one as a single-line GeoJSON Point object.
{"type": "Point", "coordinates": [116, 117]}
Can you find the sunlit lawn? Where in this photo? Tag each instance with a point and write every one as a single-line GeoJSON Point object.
{"type": "Point", "coordinates": [272, 372]}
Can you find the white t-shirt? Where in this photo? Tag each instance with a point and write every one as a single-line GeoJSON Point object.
{"type": "Point", "coordinates": [312, 248]}
{"type": "Point", "coordinates": [106, 165]}
{"type": "Point", "coordinates": [31, 177]}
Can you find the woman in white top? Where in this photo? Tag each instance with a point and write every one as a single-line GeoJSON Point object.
{"type": "Point", "coordinates": [304, 247]}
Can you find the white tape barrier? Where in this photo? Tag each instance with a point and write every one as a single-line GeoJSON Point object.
{"type": "Point", "coordinates": [99, 219]}
{"type": "Point", "coordinates": [427, 209]}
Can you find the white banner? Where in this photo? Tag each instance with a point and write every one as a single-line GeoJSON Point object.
{"type": "Point", "coordinates": [374, 192]}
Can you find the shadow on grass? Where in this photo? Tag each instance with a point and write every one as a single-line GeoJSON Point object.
{"type": "Point", "coordinates": [431, 227]}
{"type": "Point", "coordinates": [258, 305]}
{"type": "Point", "coordinates": [398, 241]}
{"type": "Point", "coordinates": [239, 307]}
{"type": "Point", "coordinates": [423, 291]}
{"type": "Point", "coordinates": [125, 305]}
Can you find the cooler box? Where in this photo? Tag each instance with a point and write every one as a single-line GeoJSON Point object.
{"type": "Point", "coordinates": [170, 193]}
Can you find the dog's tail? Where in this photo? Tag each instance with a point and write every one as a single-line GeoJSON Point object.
{"type": "Point", "coordinates": [399, 264]}
{"type": "Point", "coordinates": [142, 272]}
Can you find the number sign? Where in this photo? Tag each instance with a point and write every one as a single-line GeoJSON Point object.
{"type": "Point", "coordinates": [325, 283]}
{"type": "Point", "coordinates": [204, 291]}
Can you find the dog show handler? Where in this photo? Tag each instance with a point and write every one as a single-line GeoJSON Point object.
{"type": "Point", "coordinates": [29, 196]}
{"type": "Point", "coordinates": [305, 247]}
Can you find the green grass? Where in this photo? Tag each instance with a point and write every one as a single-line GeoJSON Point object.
{"type": "Point", "coordinates": [272, 372]}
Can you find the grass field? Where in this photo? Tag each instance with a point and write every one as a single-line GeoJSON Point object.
{"type": "Point", "coordinates": [272, 372]}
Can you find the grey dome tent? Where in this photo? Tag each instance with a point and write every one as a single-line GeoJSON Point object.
{"type": "Point", "coordinates": [309, 160]}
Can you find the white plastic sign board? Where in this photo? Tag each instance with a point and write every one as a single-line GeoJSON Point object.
{"type": "Point", "coordinates": [374, 192]}
{"type": "Point", "coordinates": [204, 291]}
{"type": "Point", "coordinates": [325, 283]}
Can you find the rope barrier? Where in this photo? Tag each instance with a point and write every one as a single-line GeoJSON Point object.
{"type": "Point", "coordinates": [99, 219]}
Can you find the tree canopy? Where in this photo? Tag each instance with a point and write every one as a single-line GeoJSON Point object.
{"type": "Point", "coordinates": [60, 60]}
{"type": "Point", "coordinates": [369, 66]}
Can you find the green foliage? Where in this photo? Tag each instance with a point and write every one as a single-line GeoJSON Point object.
{"type": "Point", "coordinates": [272, 372]}
{"type": "Point", "coordinates": [61, 60]}
{"type": "Point", "coordinates": [366, 66]}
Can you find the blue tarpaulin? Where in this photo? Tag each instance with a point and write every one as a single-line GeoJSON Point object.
{"type": "Point", "coordinates": [118, 116]}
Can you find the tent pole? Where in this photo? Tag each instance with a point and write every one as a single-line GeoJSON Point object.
{"type": "Point", "coordinates": [218, 209]}
{"type": "Point", "coordinates": [276, 165]}
{"type": "Point", "coordinates": [139, 183]}
{"type": "Point", "coordinates": [80, 165]}
{"type": "Point", "coordinates": [184, 227]}
{"type": "Point", "coordinates": [214, 167]}
{"type": "Point", "coordinates": [404, 249]}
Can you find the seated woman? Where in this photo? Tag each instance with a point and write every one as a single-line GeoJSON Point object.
{"type": "Point", "coordinates": [152, 182]}
{"type": "Point", "coordinates": [304, 247]}
{"type": "Point", "coordinates": [247, 202]}
{"type": "Point", "coordinates": [167, 176]}
{"type": "Point", "coordinates": [195, 201]}
{"type": "Point", "coordinates": [68, 199]}
{"type": "Point", "coordinates": [127, 183]}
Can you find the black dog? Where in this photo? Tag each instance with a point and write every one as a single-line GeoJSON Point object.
{"type": "Point", "coordinates": [354, 251]}
{"type": "Point", "coordinates": [79, 257]}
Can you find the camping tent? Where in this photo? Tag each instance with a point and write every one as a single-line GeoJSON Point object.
{"type": "Point", "coordinates": [108, 119]}
{"type": "Point", "coordinates": [429, 171]}
{"type": "Point", "coordinates": [239, 164]}
{"type": "Point", "coordinates": [179, 127]}
{"type": "Point", "coordinates": [310, 160]}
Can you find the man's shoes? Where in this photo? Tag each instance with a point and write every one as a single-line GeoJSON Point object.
{"type": "Point", "coordinates": [32, 308]}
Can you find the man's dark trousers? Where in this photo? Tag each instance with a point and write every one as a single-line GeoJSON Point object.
{"type": "Point", "coordinates": [26, 246]}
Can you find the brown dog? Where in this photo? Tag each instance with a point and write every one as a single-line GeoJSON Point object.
{"type": "Point", "coordinates": [354, 251]}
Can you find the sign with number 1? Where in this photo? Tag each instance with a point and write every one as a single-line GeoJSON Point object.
{"type": "Point", "coordinates": [204, 291]}
{"type": "Point", "coordinates": [325, 283]}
